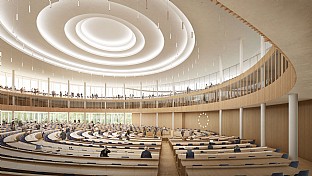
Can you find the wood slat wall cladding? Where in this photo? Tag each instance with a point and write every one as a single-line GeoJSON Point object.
{"type": "Point", "coordinates": [178, 120]}
{"type": "Point", "coordinates": [230, 122]}
{"type": "Point", "coordinates": [251, 124]}
{"type": "Point", "coordinates": [190, 120]}
{"type": "Point", "coordinates": [165, 120]}
{"type": "Point", "coordinates": [305, 129]}
{"type": "Point", "coordinates": [136, 119]}
{"type": "Point", "coordinates": [276, 122]}
{"type": "Point", "coordinates": [148, 119]}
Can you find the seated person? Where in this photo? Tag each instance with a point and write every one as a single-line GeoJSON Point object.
{"type": "Point", "coordinates": [189, 153]}
{"type": "Point", "coordinates": [146, 153]}
{"type": "Point", "coordinates": [210, 146]}
{"type": "Point", "coordinates": [104, 152]}
{"type": "Point", "coordinates": [237, 149]}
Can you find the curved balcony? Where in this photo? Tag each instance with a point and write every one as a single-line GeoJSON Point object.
{"type": "Point", "coordinates": [270, 78]}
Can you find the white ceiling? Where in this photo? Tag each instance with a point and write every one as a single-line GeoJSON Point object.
{"type": "Point", "coordinates": [124, 38]}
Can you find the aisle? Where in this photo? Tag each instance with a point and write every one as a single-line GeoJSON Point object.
{"type": "Point", "coordinates": [167, 162]}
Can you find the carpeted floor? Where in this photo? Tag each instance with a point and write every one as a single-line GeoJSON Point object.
{"type": "Point", "coordinates": [167, 163]}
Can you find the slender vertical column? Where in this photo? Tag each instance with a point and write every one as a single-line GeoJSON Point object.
{"type": "Point", "coordinates": [141, 95]}
{"type": "Point", "coordinates": [84, 117]}
{"type": "Point", "coordinates": [13, 97]}
{"type": "Point", "coordinates": [105, 122]}
{"type": "Point", "coordinates": [68, 93]}
{"type": "Point", "coordinates": [262, 46]}
{"type": "Point", "coordinates": [293, 126]}
{"type": "Point", "coordinates": [67, 120]}
{"type": "Point", "coordinates": [262, 122]}
{"type": "Point", "coordinates": [173, 92]}
{"type": "Point", "coordinates": [172, 121]}
{"type": "Point", "coordinates": [157, 88]}
{"type": "Point", "coordinates": [105, 101]}
{"type": "Point", "coordinates": [68, 88]}
{"type": "Point", "coordinates": [156, 119]}
{"type": "Point", "coordinates": [124, 104]}
{"type": "Point", "coordinates": [48, 95]}
{"type": "Point", "coordinates": [241, 123]}
{"type": "Point", "coordinates": [124, 117]}
{"type": "Point", "coordinates": [49, 86]}
{"type": "Point", "coordinates": [84, 96]}
{"type": "Point", "coordinates": [241, 56]}
{"type": "Point", "coordinates": [13, 80]}
{"type": "Point", "coordinates": [157, 94]}
{"type": "Point", "coordinates": [220, 122]}
{"type": "Point", "coordinates": [13, 88]}
{"type": "Point", "coordinates": [105, 90]}
{"type": "Point", "coordinates": [140, 118]}
{"type": "Point", "coordinates": [1, 118]}
{"type": "Point", "coordinates": [49, 118]}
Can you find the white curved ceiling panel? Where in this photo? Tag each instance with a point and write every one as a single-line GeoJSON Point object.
{"type": "Point", "coordinates": [100, 37]}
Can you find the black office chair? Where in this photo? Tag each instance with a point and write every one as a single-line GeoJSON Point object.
{"type": "Point", "coordinates": [277, 174]}
{"type": "Point", "coordinates": [294, 164]}
{"type": "Point", "coordinates": [285, 155]}
{"type": "Point", "coordinates": [303, 173]}
{"type": "Point", "coordinates": [277, 150]}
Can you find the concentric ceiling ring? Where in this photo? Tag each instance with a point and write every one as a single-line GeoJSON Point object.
{"type": "Point", "coordinates": [147, 42]}
{"type": "Point", "coordinates": [106, 34]}
{"type": "Point", "coordinates": [74, 33]}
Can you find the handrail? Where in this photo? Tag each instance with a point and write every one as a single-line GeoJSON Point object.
{"type": "Point", "coordinates": [272, 68]}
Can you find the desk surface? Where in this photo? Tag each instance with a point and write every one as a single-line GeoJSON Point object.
{"type": "Point", "coordinates": [250, 171]}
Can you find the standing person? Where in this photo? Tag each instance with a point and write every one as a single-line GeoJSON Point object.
{"type": "Point", "coordinates": [146, 153]}
{"type": "Point", "coordinates": [182, 133]}
{"type": "Point", "coordinates": [104, 152]}
{"type": "Point", "coordinates": [63, 135]}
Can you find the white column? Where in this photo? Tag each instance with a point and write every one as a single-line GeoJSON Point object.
{"type": "Point", "coordinates": [141, 95]}
{"type": "Point", "coordinates": [157, 94]}
{"type": "Point", "coordinates": [262, 46]}
{"type": "Point", "coordinates": [85, 117]}
{"type": "Point", "coordinates": [84, 101]}
{"type": "Point", "coordinates": [262, 122]}
{"type": "Point", "coordinates": [140, 118]}
{"type": "Point", "coordinates": [49, 87]}
{"type": "Point", "coordinates": [68, 90]}
{"type": "Point", "coordinates": [241, 123]}
{"type": "Point", "coordinates": [105, 90]}
{"type": "Point", "coordinates": [220, 122]}
{"type": "Point", "coordinates": [124, 104]}
{"type": "Point", "coordinates": [172, 121]}
{"type": "Point", "coordinates": [124, 117]}
{"type": "Point", "coordinates": [13, 89]}
{"type": "Point", "coordinates": [1, 117]}
{"type": "Point", "coordinates": [293, 126]}
{"type": "Point", "coordinates": [13, 80]}
{"type": "Point", "coordinates": [241, 56]}
{"type": "Point", "coordinates": [67, 117]}
{"type": "Point", "coordinates": [156, 119]}
{"type": "Point", "coordinates": [49, 118]}
{"type": "Point", "coordinates": [105, 122]}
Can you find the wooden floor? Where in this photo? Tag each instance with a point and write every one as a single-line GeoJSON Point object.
{"type": "Point", "coordinates": [305, 165]}
{"type": "Point", "coordinates": [167, 163]}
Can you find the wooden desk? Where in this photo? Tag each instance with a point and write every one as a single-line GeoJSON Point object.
{"type": "Point", "coordinates": [234, 162]}
{"type": "Point", "coordinates": [235, 171]}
